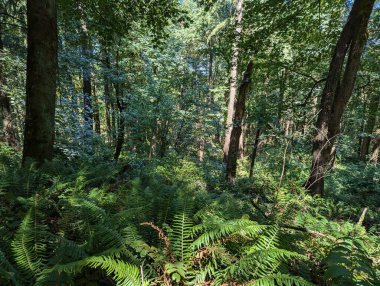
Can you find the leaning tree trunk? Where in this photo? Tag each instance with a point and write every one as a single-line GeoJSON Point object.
{"type": "Point", "coordinates": [237, 125]}
{"type": "Point", "coordinates": [337, 92]}
{"type": "Point", "coordinates": [8, 129]}
{"type": "Point", "coordinates": [41, 75]}
{"type": "Point", "coordinates": [370, 125]}
{"type": "Point", "coordinates": [233, 76]}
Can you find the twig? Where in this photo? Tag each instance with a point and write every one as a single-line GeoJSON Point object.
{"type": "Point", "coordinates": [260, 210]}
{"type": "Point", "coordinates": [312, 232]}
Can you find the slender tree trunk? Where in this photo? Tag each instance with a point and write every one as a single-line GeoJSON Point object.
{"type": "Point", "coordinates": [362, 124]}
{"type": "Point", "coordinates": [8, 129]}
{"type": "Point", "coordinates": [96, 109]}
{"type": "Point", "coordinates": [210, 78]}
{"type": "Point", "coordinates": [200, 141]}
{"type": "Point", "coordinates": [281, 98]}
{"type": "Point", "coordinates": [370, 125]}
{"type": "Point", "coordinates": [107, 97]}
{"type": "Point", "coordinates": [233, 75]}
{"type": "Point", "coordinates": [254, 151]}
{"type": "Point", "coordinates": [41, 78]}
{"type": "Point", "coordinates": [153, 142]}
{"type": "Point", "coordinates": [121, 127]}
{"type": "Point", "coordinates": [87, 90]}
{"type": "Point", "coordinates": [237, 125]}
{"type": "Point", "coordinates": [337, 92]}
{"type": "Point", "coordinates": [242, 142]}
{"type": "Point", "coordinates": [163, 133]}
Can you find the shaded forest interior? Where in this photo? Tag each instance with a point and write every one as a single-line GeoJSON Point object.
{"type": "Point", "coordinates": [193, 142]}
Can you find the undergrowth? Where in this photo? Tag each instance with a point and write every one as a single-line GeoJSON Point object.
{"type": "Point", "coordinates": [91, 221]}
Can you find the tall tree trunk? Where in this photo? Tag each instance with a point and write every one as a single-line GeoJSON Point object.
{"type": "Point", "coordinates": [371, 121]}
{"type": "Point", "coordinates": [237, 125]}
{"type": "Point", "coordinates": [42, 63]}
{"type": "Point", "coordinates": [281, 96]}
{"type": "Point", "coordinates": [107, 96]}
{"type": "Point", "coordinates": [233, 75]}
{"type": "Point", "coordinates": [121, 127]}
{"type": "Point", "coordinates": [242, 142]}
{"type": "Point", "coordinates": [87, 90]}
{"type": "Point", "coordinates": [114, 122]}
{"type": "Point", "coordinates": [337, 92]}
{"type": "Point", "coordinates": [210, 77]}
{"type": "Point", "coordinates": [200, 140]}
{"type": "Point", "coordinates": [8, 129]}
{"type": "Point", "coordinates": [363, 97]}
{"type": "Point", "coordinates": [153, 141]}
{"type": "Point", "coordinates": [254, 151]}
{"type": "Point", "coordinates": [96, 109]}
{"type": "Point", "coordinates": [86, 51]}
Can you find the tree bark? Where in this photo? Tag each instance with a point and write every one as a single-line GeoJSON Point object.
{"type": "Point", "coordinates": [370, 125]}
{"type": "Point", "coordinates": [8, 129]}
{"type": "Point", "coordinates": [337, 92]}
{"type": "Point", "coordinates": [237, 125]}
{"type": "Point", "coordinates": [107, 97]}
{"type": "Point", "coordinates": [121, 127]}
{"type": "Point", "coordinates": [87, 90]}
{"type": "Point", "coordinates": [254, 151]}
{"type": "Point", "coordinates": [242, 143]}
{"type": "Point", "coordinates": [42, 63]}
{"type": "Point", "coordinates": [233, 75]}
{"type": "Point", "coordinates": [96, 109]}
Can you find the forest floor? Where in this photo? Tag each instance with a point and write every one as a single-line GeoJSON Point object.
{"type": "Point", "coordinates": [66, 215]}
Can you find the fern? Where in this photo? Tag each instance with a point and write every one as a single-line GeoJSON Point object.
{"type": "Point", "coordinates": [215, 231]}
{"type": "Point", "coordinates": [29, 246]}
{"type": "Point", "coordinates": [348, 262]}
{"type": "Point", "coordinates": [124, 274]}
{"type": "Point", "coordinates": [280, 280]}
{"type": "Point", "coordinates": [180, 236]}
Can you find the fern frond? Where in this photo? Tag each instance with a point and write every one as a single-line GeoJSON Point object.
{"type": "Point", "coordinates": [124, 274]}
{"type": "Point", "coordinates": [29, 246]}
{"type": "Point", "coordinates": [181, 236]}
{"type": "Point", "coordinates": [280, 280]}
{"type": "Point", "coordinates": [89, 211]}
{"type": "Point", "coordinates": [216, 231]}
{"type": "Point", "coordinates": [269, 239]}
{"type": "Point", "coordinates": [267, 261]}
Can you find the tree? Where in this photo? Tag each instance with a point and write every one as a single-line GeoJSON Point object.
{"type": "Point", "coordinates": [42, 65]}
{"type": "Point", "coordinates": [337, 92]}
{"type": "Point", "coordinates": [233, 75]}
{"type": "Point", "coordinates": [237, 125]}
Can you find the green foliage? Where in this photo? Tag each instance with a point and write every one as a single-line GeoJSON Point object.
{"type": "Point", "coordinates": [162, 214]}
{"type": "Point", "coordinates": [349, 262]}
{"type": "Point", "coordinates": [78, 228]}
